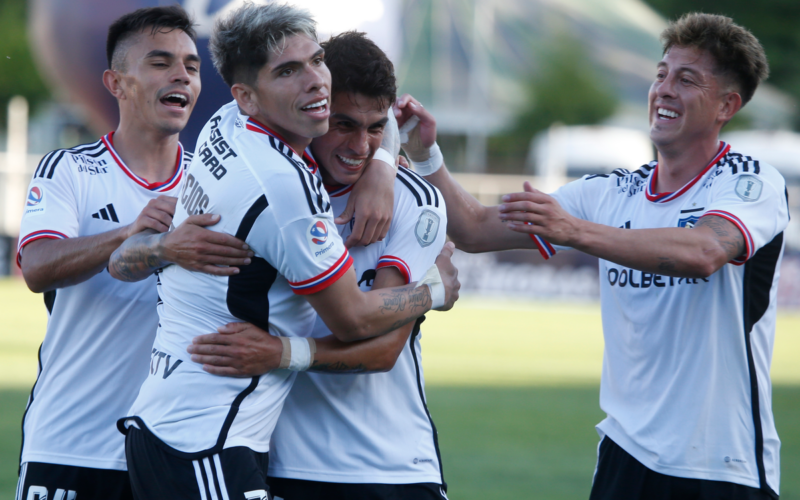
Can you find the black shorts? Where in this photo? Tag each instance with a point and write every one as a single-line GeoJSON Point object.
{"type": "Point", "coordinates": [157, 472]}
{"type": "Point", "coordinates": [298, 489]}
{"type": "Point", "coordinates": [40, 481]}
{"type": "Point", "coordinates": [619, 476]}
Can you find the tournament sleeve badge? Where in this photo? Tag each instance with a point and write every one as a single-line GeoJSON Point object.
{"type": "Point", "coordinates": [748, 187]}
{"type": "Point", "coordinates": [35, 202]}
{"type": "Point", "coordinates": [427, 228]}
{"type": "Point", "coordinates": [317, 236]}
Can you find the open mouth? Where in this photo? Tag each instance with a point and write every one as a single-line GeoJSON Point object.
{"type": "Point", "coordinates": [350, 162]}
{"type": "Point", "coordinates": [318, 107]}
{"type": "Point", "coordinates": [175, 100]}
{"type": "Point", "coordinates": [666, 114]}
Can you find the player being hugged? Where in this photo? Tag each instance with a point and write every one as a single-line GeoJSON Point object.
{"type": "Point", "coordinates": [354, 434]}
{"type": "Point", "coordinates": [192, 434]}
{"type": "Point", "coordinates": [689, 246]}
{"type": "Point", "coordinates": [82, 204]}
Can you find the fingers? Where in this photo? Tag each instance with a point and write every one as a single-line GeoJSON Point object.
{"type": "Point", "coordinates": [528, 188]}
{"type": "Point", "coordinates": [234, 327]}
{"type": "Point", "coordinates": [167, 203]}
{"type": "Point", "coordinates": [202, 219]}
{"type": "Point", "coordinates": [357, 233]}
{"type": "Point", "coordinates": [402, 161]}
{"type": "Point", "coordinates": [448, 249]}
{"type": "Point", "coordinates": [347, 214]}
{"type": "Point", "coordinates": [147, 222]}
{"type": "Point", "coordinates": [207, 340]}
{"type": "Point", "coordinates": [225, 371]}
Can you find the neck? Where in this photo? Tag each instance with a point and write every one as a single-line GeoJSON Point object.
{"type": "Point", "coordinates": [679, 165]}
{"type": "Point", "coordinates": [148, 153]}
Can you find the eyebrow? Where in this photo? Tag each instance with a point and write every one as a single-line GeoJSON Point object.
{"type": "Point", "coordinates": [687, 69]}
{"type": "Point", "coordinates": [293, 64]}
{"type": "Point", "coordinates": [342, 116]}
{"type": "Point", "coordinates": [170, 55]}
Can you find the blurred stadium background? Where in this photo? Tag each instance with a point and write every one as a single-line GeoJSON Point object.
{"type": "Point", "coordinates": [540, 90]}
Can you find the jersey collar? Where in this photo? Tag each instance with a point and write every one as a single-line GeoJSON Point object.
{"type": "Point", "coordinates": [651, 194]}
{"type": "Point", "coordinates": [158, 187]}
{"type": "Point", "coordinates": [255, 126]}
{"type": "Point", "coordinates": [338, 190]}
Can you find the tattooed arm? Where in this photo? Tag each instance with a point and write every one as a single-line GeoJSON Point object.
{"type": "Point", "coordinates": [190, 245]}
{"type": "Point", "coordinates": [244, 350]}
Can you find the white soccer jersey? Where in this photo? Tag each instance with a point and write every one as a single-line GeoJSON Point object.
{"type": "Point", "coordinates": [269, 197]}
{"type": "Point", "coordinates": [370, 428]}
{"type": "Point", "coordinates": [99, 335]}
{"type": "Point", "coordinates": [685, 378]}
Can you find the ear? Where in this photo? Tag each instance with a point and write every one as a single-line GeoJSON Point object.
{"type": "Point", "coordinates": [731, 104]}
{"type": "Point", "coordinates": [113, 82]}
{"type": "Point", "coordinates": [246, 98]}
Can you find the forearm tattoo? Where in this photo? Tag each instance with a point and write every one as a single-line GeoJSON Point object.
{"type": "Point", "coordinates": [727, 234]}
{"type": "Point", "coordinates": [337, 367]}
{"type": "Point", "coordinates": [414, 301]}
{"type": "Point", "coordinates": [135, 259]}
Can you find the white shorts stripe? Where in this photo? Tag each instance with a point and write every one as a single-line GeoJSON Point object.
{"type": "Point", "coordinates": [212, 487]}
{"type": "Point", "coordinates": [221, 478]}
{"type": "Point", "coordinates": [200, 483]}
{"type": "Point", "coordinates": [21, 481]}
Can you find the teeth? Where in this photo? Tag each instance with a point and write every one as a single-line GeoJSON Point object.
{"type": "Point", "coordinates": [666, 112]}
{"type": "Point", "coordinates": [316, 104]}
{"type": "Point", "coordinates": [178, 96]}
{"type": "Point", "coordinates": [349, 161]}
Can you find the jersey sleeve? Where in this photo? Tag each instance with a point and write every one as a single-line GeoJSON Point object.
{"type": "Point", "coordinates": [416, 236]}
{"type": "Point", "coordinates": [51, 204]}
{"type": "Point", "coordinates": [575, 197]}
{"type": "Point", "coordinates": [756, 203]}
{"type": "Point", "coordinates": [298, 238]}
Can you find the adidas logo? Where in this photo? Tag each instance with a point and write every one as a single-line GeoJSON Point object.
{"type": "Point", "coordinates": [107, 213]}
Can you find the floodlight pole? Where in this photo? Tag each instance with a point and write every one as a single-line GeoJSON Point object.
{"type": "Point", "coordinates": [16, 157]}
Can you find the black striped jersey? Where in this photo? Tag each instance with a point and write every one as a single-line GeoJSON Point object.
{"type": "Point", "coordinates": [685, 381]}
{"type": "Point", "coordinates": [269, 196]}
{"type": "Point", "coordinates": [100, 332]}
{"type": "Point", "coordinates": [370, 428]}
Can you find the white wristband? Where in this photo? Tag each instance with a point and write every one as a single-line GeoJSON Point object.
{"type": "Point", "coordinates": [407, 127]}
{"type": "Point", "coordinates": [433, 279]}
{"type": "Point", "coordinates": [432, 164]}
{"type": "Point", "coordinates": [298, 353]}
{"type": "Point", "coordinates": [386, 157]}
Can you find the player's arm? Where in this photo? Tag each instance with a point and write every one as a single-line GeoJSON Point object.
{"type": "Point", "coordinates": [244, 350]}
{"type": "Point", "coordinates": [190, 246]}
{"type": "Point", "coordinates": [351, 314]}
{"type": "Point", "coordinates": [472, 226]}
{"type": "Point", "coordinates": [56, 263]}
{"type": "Point", "coordinates": [694, 253]}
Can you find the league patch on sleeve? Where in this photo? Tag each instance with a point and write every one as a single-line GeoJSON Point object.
{"type": "Point", "coordinates": [318, 242]}
{"type": "Point", "coordinates": [427, 228]}
{"type": "Point", "coordinates": [748, 187]}
{"type": "Point", "coordinates": [35, 203]}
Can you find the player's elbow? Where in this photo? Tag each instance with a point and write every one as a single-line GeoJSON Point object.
{"type": "Point", "coordinates": [34, 277]}
{"type": "Point", "coordinates": [350, 329]}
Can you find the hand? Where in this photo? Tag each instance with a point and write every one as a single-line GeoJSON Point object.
{"type": "Point", "coordinates": [449, 275]}
{"type": "Point", "coordinates": [533, 212]}
{"type": "Point", "coordinates": [157, 215]}
{"type": "Point", "coordinates": [372, 200]}
{"type": "Point", "coordinates": [196, 248]}
{"type": "Point", "coordinates": [402, 162]}
{"type": "Point", "coordinates": [421, 137]}
{"type": "Point", "coordinates": [237, 350]}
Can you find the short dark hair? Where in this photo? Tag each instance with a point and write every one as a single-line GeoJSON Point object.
{"type": "Point", "coordinates": [156, 18]}
{"type": "Point", "coordinates": [242, 42]}
{"type": "Point", "coordinates": [359, 66]}
{"type": "Point", "coordinates": [738, 54]}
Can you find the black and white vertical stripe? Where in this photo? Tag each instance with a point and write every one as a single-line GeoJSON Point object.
{"type": "Point", "coordinates": [312, 185]}
{"type": "Point", "coordinates": [47, 166]}
{"type": "Point", "coordinates": [210, 479]}
{"type": "Point", "coordinates": [423, 191]}
{"type": "Point", "coordinates": [21, 481]}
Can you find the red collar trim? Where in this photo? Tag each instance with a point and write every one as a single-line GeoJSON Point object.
{"type": "Point", "coordinates": [651, 194]}
{"type": "Point", "coordinates": [167, 185]}
{"type": "Point", "coordinates": [255, 126]}
{"type": "Point", "coordinates": [336, 191]}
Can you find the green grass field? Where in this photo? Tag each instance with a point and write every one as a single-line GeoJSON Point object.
{"type": "Point", "coordinates": [512, 387]}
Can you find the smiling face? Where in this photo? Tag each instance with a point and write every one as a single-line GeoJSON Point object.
{"type": "Point", "coordinates": [292, 90]}
{"type": "Point", "coordinates": [687, 101]}
{"type": "Point", "coordinates": [160, 83]}
{"type": "Point", "coordinates": [355, 133]}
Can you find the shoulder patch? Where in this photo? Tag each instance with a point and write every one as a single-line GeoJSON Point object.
{"type": "Point", "coordinates": [427, 228]}
{"type": "Point", "coordinates": [317, 236]}
{"type": "Point", "coordinates": [749, 187]}
{"type": "Point", "coordinates": [35, 203]}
